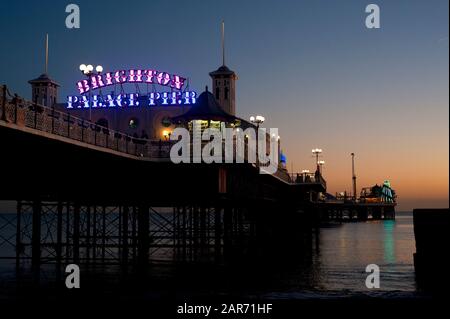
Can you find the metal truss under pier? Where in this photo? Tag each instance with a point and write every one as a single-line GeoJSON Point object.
{"type": "Point", "coordinates": [61, 233]}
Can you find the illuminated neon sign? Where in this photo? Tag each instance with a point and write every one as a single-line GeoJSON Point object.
{"type": "Point", "coordinates": [132, 100]}
{"type": "Point", "coordinates": [98, 81]}
{"type": "Point", "coordinates": [174, 82]}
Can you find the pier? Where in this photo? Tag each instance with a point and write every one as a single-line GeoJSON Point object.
{"type": "Point", "coordinates": [96, 195]}
{"type": "Point", "coordinates": [88, 194]}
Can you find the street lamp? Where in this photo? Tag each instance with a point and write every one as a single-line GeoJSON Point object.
{"type": "Point", "coordinates": [257, 120]}
{"type": "Point", "coordinates": [321, 163]}
{"type": "Point", "coordinates": [88, 70]}
{"type": "Point", "coordinates": [316, 152]}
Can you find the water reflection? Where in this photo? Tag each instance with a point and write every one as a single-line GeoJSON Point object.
{"type": "Point", "coordinates": [348, 248]}
{"type": "Point", "coordinates": [388, 241]}
{"type": "Point", "coordinates": [332, 263]}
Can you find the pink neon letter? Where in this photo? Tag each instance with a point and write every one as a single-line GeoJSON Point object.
{"type": "Point", "coordinates": [97, 81]}
{"type": "Point", "coordinates": [135, 76]}
{"type": "Point", "coordinates": [177, 82]}
{"type": "Point", "coordinates": [108, 78]}
{"type": "Point", "coordinates": [120, 76]}
{"type": "Point", "coordinates": [83, 86]}
{"type": "Point", "coordinates": [150, 75]}
{"type": "Point", "coordinates": [163, 78]}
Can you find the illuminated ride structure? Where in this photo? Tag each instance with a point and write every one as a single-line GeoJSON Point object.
{"type": "Point", "coordinates": [376, 202]}
{"type": "Point", "coordinates": [378, 194]}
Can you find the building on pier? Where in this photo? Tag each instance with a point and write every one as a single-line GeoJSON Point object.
{"type": "Point", "coordinates": [152, 121]}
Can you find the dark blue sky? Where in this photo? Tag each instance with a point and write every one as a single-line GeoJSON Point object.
{"type": "Point", "coordinates": [311, 67]}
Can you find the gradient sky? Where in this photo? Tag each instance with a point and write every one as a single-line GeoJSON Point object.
{"type": "Point", "coordinates": [310, 67]}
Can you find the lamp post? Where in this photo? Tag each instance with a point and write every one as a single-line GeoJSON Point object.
{"type": "Point", "coordinates": [316, 152]}
{"type": "Point", "coordinates": [88, 71]}
{"type": "Point", "coordinates": [353, 176]}
{"type": "Point", "coordinates": [257, 120]}
{"type": "Point", "coordinates": [321, 164]}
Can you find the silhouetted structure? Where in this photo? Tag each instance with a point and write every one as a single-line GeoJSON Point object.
{"type": "Point", "coordinates": [432, 242]}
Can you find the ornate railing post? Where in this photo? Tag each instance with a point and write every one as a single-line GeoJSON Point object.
{"type": "Point", "coordinates": [82, 130]}
{"type": "Point", "coordinates": [35, 115]}
{"type": "Point", "coordinates": [68, 125]}
{"type": "Point", "coordinates": [53, 120]}
{"type": "Point", "coordinates": [4, 90]}
{"type": "Point", "coordinates": [15, 109]}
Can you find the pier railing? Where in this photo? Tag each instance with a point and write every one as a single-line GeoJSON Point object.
{"type": "Point", "coordinates": [49, 120]}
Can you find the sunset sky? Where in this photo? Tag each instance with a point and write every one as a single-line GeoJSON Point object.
{"type": "Point", "coordinates": [311, 68]}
